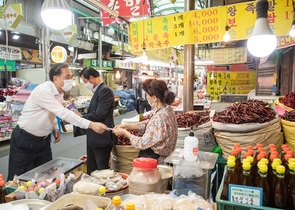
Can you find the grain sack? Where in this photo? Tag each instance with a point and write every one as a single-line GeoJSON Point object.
{"type": "Point", "coordinates": [289, 133]}
{"type": "Point", "coordinates": [269, 135]}
{"type": "Point", "coordinates": [122, 157]}
{"type": "Point", "coordinates": [204, 133]}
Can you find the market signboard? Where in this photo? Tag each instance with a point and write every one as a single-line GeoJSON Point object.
{"type": "Point", "coordinates": [285, 41]}
{"type": "Point", "coordinates": [10, 53]}
{"type": "Point", "coordinates": [10, 65]}
{"type": "Point", "coordinates": [225, 55]}
{"type": "Point", "coordinates": [106, 65]}
{"type": "Point", "coordinates": [207, 25]}
{"type": "Point", "coordinates": [124, 65]}
{"type": "Point", "coordinates": [237, 80]}
{"type": "Point", "coordinates": [13, 14]}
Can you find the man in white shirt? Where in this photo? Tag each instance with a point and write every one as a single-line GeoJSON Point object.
{"type": "Point", "coordinates": [30, 144]}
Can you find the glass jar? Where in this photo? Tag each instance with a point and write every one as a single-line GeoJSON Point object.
{"type": "Point", "coordinates": [144, 177]}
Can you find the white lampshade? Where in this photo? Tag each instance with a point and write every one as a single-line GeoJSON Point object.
{"type": "Point", "coordinates": [262, 41]}
{"type": "Point", "coordinates": [111, 32]}
{"type": "Point", "coordinates": [56, 14]}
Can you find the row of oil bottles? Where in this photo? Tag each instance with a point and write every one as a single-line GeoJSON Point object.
{"type": "Point", "coordinates": [273, 173]}
{"type": "Point", "coordinates": [117, 204]}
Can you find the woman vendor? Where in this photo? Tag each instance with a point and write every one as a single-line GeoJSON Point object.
{"type": "Point", "coordinates": [159, 132]}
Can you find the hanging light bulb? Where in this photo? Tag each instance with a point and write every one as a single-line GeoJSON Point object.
{"type": "Point", "coordinates": [226, 36]}
{"type": "Point", "coordinates": [144, 55]}
{"type": "Point", "coordinates": [292, 31]}
{"type": "Point", "coordinates": [53, 10]}
{"type": "Point", "coordinates": [118, 75]}
{"type": "Point", "coordinates": [262, 41]}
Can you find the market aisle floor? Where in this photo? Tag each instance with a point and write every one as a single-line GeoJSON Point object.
{"type": "Point", "coordinates": [68, 147]}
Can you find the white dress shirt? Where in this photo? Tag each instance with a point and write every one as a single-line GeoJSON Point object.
{"type": "Point", "coordinates": [40, 111]}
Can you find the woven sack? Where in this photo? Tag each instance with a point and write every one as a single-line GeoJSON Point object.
{"type": "Point", "coordinates": [289, 133]}
{"type": "Point", "coordinates": [122, 157]}
{"type": "Point", "coordinates": [268, 135]}
{"type": "Point", "coordinates": [204, 133]}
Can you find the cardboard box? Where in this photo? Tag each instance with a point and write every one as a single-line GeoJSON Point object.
{"type": "Point", "coordinates": [10, 197]}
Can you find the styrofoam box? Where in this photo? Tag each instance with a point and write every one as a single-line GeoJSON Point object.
{"type": "Point", "coordinates": [80, 200]}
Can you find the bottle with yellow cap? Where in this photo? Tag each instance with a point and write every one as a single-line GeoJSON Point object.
{"type": "Point", "coordinates": [117, 203]}
{"type": "Point", "coordinates": [262, 183]}
{"type": "Point", "coordinates": [99, 209]}
{"type": "Point", "coordinates": [245, 178]}
{"type": "Point", "coordinates": [280, 190]}
{"type": "Point", "coordinates": [102, 191]}
{"type": "Point", "coordinates": [230, 178]}
{"type": "Point", "coordinates": [130, 206]}
{"type": "Point", "coordinates": [291, 186]}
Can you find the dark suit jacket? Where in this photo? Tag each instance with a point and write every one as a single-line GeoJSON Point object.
{"type": "Point", "coordinates": [101, 109]}
{"type": "Point", "coordinates": [138, 91]}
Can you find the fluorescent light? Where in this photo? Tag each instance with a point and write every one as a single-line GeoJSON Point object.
{"type": "Point", "coordinates": [56, 14]}
{"type": "Point", "coordinates": [15, 36]}
{"type": "Point", "coordinates": [262, 41]}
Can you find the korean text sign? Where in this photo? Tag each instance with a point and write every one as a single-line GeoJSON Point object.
{"type": "Point", "coordinates": [208, 25]}
{"type": "Point", "coordinates": [125, 8]}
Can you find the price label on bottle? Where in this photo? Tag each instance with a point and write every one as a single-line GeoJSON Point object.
{"type": "Point", "coordinates": [245, 194]}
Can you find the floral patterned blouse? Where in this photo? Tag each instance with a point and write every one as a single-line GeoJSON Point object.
{"type": "Point", "coordinates": [159, 133]}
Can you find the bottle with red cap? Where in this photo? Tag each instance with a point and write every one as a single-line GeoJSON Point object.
{"type": "Point", "coordinates": [144, 177]}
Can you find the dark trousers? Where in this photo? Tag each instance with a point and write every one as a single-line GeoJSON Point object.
{"type": "Point", "coordinates": [27, 152]}
{"type": "Point", "coordinates": [144, 105]}
{"type": "Point", "coordinates": [98, 158]}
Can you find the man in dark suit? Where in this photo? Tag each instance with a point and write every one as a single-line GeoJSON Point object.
{"type": "Point", "coordinates": [143, 104]}
{"type": "Point", "coordinates": [101, 108]}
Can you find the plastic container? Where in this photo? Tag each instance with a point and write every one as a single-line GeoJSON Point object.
{"type": "Point", "coordinates": [227, 205]}
{"type": "Point", "coordinates": [80, 200]}
{"type": "Point", "coordinates": [144, 177]}
{"type": "Point", "coordinates": [191, 147]}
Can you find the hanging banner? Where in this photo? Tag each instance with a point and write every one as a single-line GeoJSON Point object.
{"type": "Point", "coordinates": [125, 8]}
{"type": "Point", "coordinates": [10, 53]}
{"type": "Point", "coordinates": [207, 25]}
{"type": "Point", "coordinates": [69, 33]}
{"type": "Point", "coordinates": [225, 55]}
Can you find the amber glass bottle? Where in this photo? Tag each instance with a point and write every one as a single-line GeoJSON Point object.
{"type": "Point", "coordinates": [262, 183]}
{"type": "Point", "coordinates": [230, 178]}
{"type": "Point", "coordinates": [245, 178]}
{"type": "Point", "coordinates": [291, 186]}
{"type": "Point", "coordinates": [238, 161]}
{"type": "Point", "coordinates": [280, 189]}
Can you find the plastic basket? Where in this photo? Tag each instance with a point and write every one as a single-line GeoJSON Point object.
{"type": "Point", "coordinates": [228, 205]}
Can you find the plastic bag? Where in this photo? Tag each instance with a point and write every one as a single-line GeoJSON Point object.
{"type": "Point", "coordinates": [70, 181]}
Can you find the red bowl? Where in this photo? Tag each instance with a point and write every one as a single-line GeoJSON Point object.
{"type": "Point", "coordinates": [125, 177]}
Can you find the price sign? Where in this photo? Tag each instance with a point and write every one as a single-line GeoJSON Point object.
{"type": "Point", "coordinates": [206, 25]}
{"type": "Point", "coordinates": [245, 194]}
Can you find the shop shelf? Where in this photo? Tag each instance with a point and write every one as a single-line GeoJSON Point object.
{"type": "Point", "coordinates": [228, 205]}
